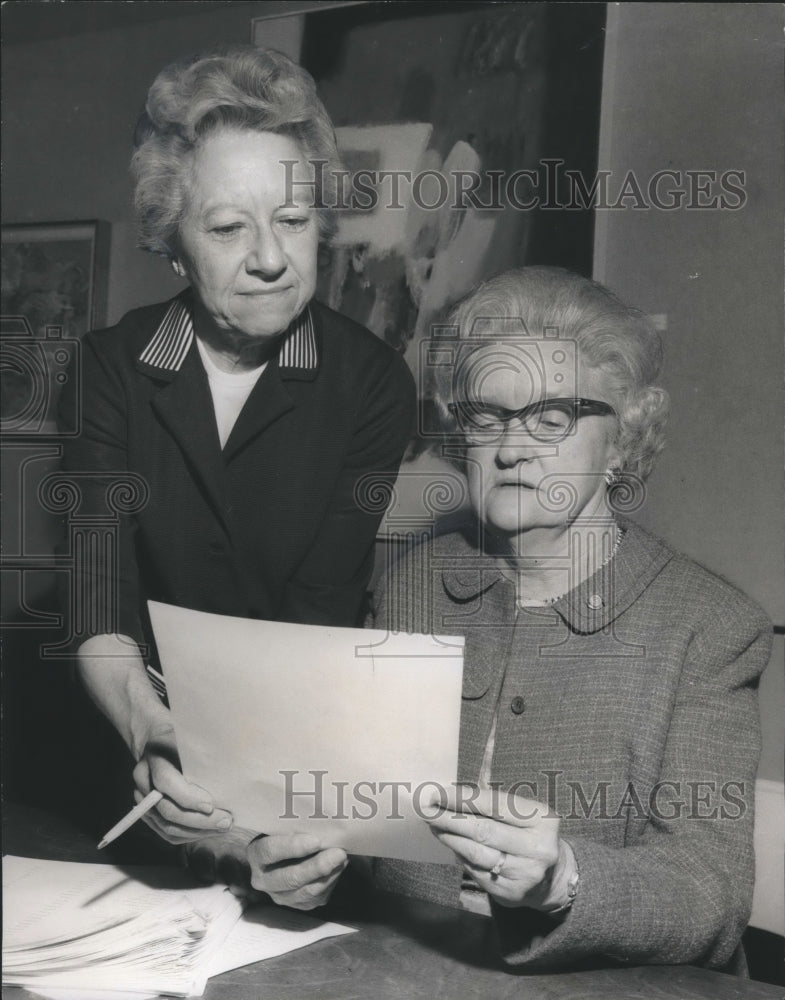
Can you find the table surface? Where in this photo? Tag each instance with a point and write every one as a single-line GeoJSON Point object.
{"type": "Point", "coordinates": [404, 949]}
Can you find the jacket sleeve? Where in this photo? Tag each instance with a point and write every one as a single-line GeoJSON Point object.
{"type": "Point", "coordinates": [330, 583]}
{"type": "Point", "coordinates": [100, 593]}
{"type": "Point", "coordinates": [681, 892]}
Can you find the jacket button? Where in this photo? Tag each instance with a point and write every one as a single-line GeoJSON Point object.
{"type": "Point", "coordinates": [595, 602]}
{"type": "Point", "coordinates": [517, 705]}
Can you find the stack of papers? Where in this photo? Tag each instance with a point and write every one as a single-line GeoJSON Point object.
{"type": "Point", "coordinates": [142, 930]}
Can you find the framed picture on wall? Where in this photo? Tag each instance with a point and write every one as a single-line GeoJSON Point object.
{"type": "Point", "coordinates": [53, 291]}
{"type": "Point", "coordinates": [461, 127]}
{"type": "Point", "coordinates": [461, 120]}
{"type": "Point", "coordinates": [502, 89]}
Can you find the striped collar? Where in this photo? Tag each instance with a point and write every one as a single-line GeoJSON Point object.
{"type": "Point", "coordinates": [167, 349]}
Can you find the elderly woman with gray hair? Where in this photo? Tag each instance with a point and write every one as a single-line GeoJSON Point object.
{"type": "Point", "coordinates": [609, 729]}
{"type": "Point", "coordinates": [246, 411]}
{"type": "Point", "coordinates": [609, 732]}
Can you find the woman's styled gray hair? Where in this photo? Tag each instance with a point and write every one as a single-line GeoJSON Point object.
{"type": "Point", "coordinates": [611, 338]}
{"type": "Point", "coordinates": [242, 87]}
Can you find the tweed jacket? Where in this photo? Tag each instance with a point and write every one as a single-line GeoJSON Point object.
{"type": "Point", "coordinates": [274, 525]}
{"type": "Point", "coordinates": [630, 707]}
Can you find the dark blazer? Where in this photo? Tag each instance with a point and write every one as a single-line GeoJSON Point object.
{"type": "Point", "coordinates": [275, 526]}
{"type": "Point", "coordinates": [630, 706]}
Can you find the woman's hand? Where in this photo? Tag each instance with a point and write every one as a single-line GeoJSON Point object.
{"type": "Point", "coordinates": [186, 812]}
{"type": "Point", "coordinates": [113, 671]}
{"type": "Point", "coordinates": [510, 846]}
{"type": "Point", "coordinates": [294, 870]}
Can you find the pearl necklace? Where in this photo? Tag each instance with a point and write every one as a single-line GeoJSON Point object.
{"type": "Point", "coordinates": [547, 601]}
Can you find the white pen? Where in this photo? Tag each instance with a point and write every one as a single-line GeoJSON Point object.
{"type": "Point", "coordinates": [148, 802]}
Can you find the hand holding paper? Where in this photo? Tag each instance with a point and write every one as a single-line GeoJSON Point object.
{"type": "Point", "coordinates": [294, 870]}
{"type": "Point", "coordinates": [291, 869]}
{"type": "Point", "coordinates": [187, 812]}
{"type": "Point", "coordinates": [340, 733]}
{"type": "Point", "coordinates": [509, 844]}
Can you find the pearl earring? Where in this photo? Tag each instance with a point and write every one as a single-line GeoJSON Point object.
{"type": "Point", "coordinates": [178, 268]}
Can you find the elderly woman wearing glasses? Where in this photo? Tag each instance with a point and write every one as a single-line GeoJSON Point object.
{"type": "Point", "coordinates": [609, 730]}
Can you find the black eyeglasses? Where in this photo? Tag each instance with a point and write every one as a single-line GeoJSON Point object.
{"type": "Point", "coordinates": [546, 420]}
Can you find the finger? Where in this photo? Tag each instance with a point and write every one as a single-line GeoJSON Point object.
{"type": "Point", "coordinates": [474, 855]}
{"type": "Point", "coordinates": [168, 779]}
{"type": "Point", "coordinates": [484, 877]}
{"type": "Point", "coordinates": [164, 744]}
{"type": "Point", "coordinates": [504, 891]}
{"type": "Point", "coordinates": [189, 824]}
{"type": "Point", "coordinates": [290, 877]}
{"type": "Point", "coordinates": [513, 883]}
{"type": "Point", "coordinates": [217, 820]}
{"type": "Point", "coordinates": [141, 777]}
{"type": "Point", "coordinates": [180, 833]}
{"type": "Point", "coordinates": [309, 896]}
{"type": "Point", "coordinates": [479, 828]}
{"type": "Point", "coordinates": [283, 878]}
{"type": "Point", "coordinates": [513, 809]}
{"type": "Point", "coordinates": [247, 893]}
{"type": "Point", "coordinates": [172, 833]}
{"type": "Point", "coordinates": [275, 848]}
{"type": "Point", "coordinates": [483, 831]}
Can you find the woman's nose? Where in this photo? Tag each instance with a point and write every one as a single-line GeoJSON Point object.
{"type": "Point", "coordinates": [266, 256]}
{"type": "Point", "coordinates": [515, 445]}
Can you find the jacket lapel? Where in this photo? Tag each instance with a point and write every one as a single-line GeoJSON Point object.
{"type": "Point", "coordinates": [185, 407]}
{"type": "Point", "coordinates": [268, 401]}
{"type": "Point", "coordinates": [184, 402]}
{"type": "Point", "coordinates": [297, 360]}
{"type": "Point", "coordinates": [474, 583]}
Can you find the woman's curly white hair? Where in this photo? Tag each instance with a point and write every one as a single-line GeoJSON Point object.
{"type": "Point", "coordinates": [240, 87]}
{"type": "Point", "coordinates": [611, 338]}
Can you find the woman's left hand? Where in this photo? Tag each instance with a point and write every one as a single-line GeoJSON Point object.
{"type": "Point", "coordinates": [291, 869]}
{"type": "Point", "coordinates": [510, 846]}
{"type": "Point", "coordinates": [294, 870]}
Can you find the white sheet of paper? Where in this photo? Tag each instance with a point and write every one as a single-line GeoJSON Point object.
{"type": "Point", "coordinates": [58, 994]}
{"type": "Point", "coordinates": [267, 931]}
{"type": "Point", "coordinates": [343, 733]}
